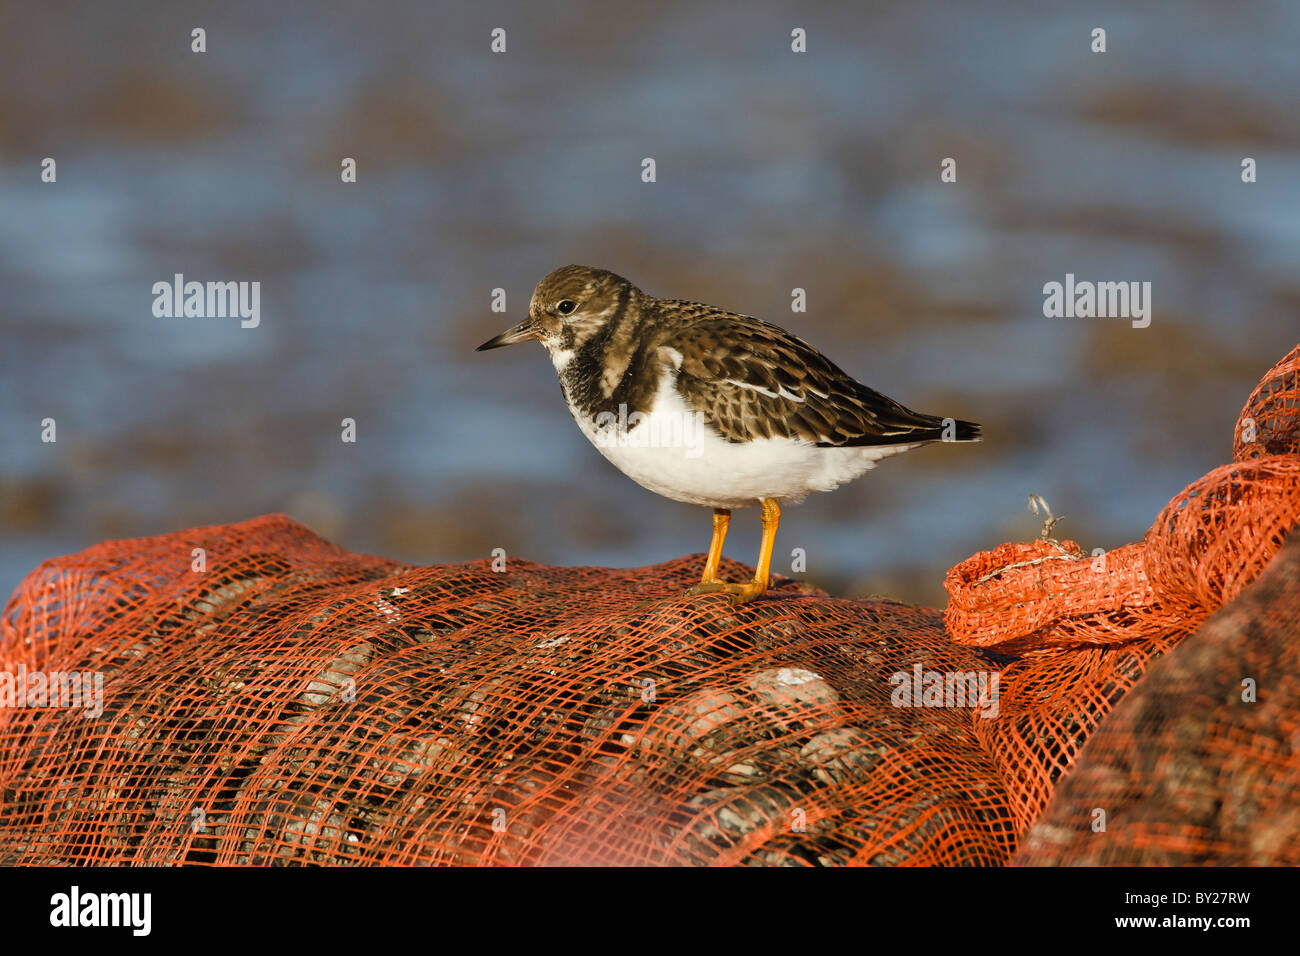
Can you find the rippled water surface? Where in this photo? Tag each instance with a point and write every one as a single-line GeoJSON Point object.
{"type": "Point", "coordinates": [775, 170]}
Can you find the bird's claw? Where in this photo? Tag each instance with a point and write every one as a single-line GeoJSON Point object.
{"type": "Point", "coordinates": [736, 593]}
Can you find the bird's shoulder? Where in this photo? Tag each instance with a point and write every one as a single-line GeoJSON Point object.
{"type": "Point", "coordinates": [716, 344]}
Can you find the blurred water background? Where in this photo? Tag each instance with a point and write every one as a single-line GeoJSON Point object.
{"type": "Point", "coordinates": [775, 170]}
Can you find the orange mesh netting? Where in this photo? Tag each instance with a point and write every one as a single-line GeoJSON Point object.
{"type": "Point", "coordinates": [273, 698]}
{"type": "Point", "coordinates": [1267, 425]}
{"type": "Point", "coordinates": [1207, 544]}
{"type": "Point", "coordinates": [1201, 762]}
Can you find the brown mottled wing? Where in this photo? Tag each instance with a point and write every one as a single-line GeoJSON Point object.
{"type": "Point", "coordinates": [755, 380]}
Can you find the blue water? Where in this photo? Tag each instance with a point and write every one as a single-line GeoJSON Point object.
{"type": "Point", "coordinates": [775, 170]}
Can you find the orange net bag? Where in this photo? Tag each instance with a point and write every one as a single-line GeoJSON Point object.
{"type": "Point", "coordinates": [1200, 763]}
{"type": "Point", "coordinates": [308, 705]}
{"type": "Point", "coordinates": [1208, 543]}
{"type": "Point", "coordinates": [269, 698]}
{"type": "Point", "coordinates": [1048, 593]}
{"type": "Point", "coordinates": [1270, 422]}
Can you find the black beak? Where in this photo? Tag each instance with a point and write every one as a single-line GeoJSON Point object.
{"type": "Point", "coordinates": [522, 332]}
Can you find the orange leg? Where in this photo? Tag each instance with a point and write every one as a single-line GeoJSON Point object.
{"type": "Point", "coordinates": [741, 593]}
{"type": "Point", "coordinates": [709, 581]}
{"type": "Point", "coordinates": [721, 522]}
{"type": "Point", "coordinates": [771, 520]}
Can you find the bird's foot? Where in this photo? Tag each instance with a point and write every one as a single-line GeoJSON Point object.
{"type": "Point", "coordinates": [738, 593]}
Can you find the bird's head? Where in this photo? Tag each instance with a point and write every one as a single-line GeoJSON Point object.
{"type": "Point", "coordinates": [568, 307]}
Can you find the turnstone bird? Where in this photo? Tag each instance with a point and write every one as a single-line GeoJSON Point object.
{"type": "Point", "coordinates": [710, 407]}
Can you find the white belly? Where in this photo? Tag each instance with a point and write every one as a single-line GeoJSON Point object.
{"type": "Point", "coordinates": [673, 453]}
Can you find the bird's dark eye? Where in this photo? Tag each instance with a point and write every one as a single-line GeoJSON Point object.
{"type": "Point", "coordinates": [566, 306]}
